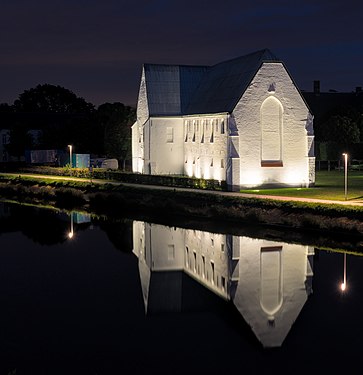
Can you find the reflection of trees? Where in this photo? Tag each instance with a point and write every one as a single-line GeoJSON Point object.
{"type": "Point", "coordinates": [42, 226]}
{"type": "Point", "coordinates": [119, 233]}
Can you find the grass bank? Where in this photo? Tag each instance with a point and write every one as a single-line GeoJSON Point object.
{"type": "Point", "coordinates": [329, 185]}
{"type": "Point", "coordinates": [122, 200]}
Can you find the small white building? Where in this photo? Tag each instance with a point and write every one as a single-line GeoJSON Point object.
{"type": "Point", "coordinates": [4, 141]}
{"type": "Point", "coordinates": [242, 121]}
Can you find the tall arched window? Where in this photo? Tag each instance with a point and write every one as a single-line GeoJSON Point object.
{"type": "Point", "coordinates": [271, 132]}
{"type": "Point", "coordinates": [271, 274]}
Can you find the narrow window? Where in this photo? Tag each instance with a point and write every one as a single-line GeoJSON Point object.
{"type": "Point", "coordinates": [212, 266]}
{"type": "Point", "coordinates": [222, 163]}
{"type": "Point", "coordinates": [222, 127]}
{"type": "Point", "coordinates": [222, 247]}
{"type": "Point", "coordinates": [211, 162]}
{"type": "Point", "coordinates": [171, 252]}
{"type": "Point", "coordinates": [169, 135]}
{"type": "Point", "coordinates": [223, 282]}
{"type": "Point", "coordinates": [271, 276]}
{"type": "Point", "coordinates": [216, 125]}
{"type": "Point", "coordinates": [271, 133]}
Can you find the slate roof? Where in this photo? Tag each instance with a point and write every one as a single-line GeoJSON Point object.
{"type": "Point", "coordinates": [183, 90]}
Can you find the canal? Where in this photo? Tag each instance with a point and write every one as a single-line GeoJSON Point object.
{"type": "Point", "coordinates": [81, 294]}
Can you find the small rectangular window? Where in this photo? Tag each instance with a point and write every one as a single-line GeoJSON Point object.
{"type": "Point", "coordinates": [216, 125]}
{"type": "Point", "coordinates": [203, 265]}
{"type": "Point", "coordinates": [169, 135]}
{"type": "Point", "coordinates": [212, 266]}
{"type": "Point", "coordinates": [223, 282]}
{"type": "Point", "coordinates": [222, 163]}
{"type": "Point", "coordinates": [222, 127]}
{"type": "Point", "coordinates": [171, 252]}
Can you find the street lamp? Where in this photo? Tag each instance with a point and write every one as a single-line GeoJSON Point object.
{"type": "Point", "coordinates": [345, 175]}
{"type": "Point", "coordinates": [70, 155]}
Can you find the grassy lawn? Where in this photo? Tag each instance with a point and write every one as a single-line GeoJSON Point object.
{"type": "Point", "coordinates": [329, 185]}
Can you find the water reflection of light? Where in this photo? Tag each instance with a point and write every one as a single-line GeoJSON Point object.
{"type": "Point", "coordinates": [71, 231]}
{"type": "Point", "coordinates": [343, 285]}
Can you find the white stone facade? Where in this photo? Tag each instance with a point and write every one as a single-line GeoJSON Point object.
{"type": "Point", "coordinates": [273, 125]}
{"type": "Point", "coordinates": [265, 138]}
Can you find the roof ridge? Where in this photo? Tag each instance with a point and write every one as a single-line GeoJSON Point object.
{"type": "Point", "coordinates": [261, 52]}
{"type": "Point", "coordinates": [178, 65]}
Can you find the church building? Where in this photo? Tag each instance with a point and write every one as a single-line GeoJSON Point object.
{"type": "Point", "coordinates": [242, 121]}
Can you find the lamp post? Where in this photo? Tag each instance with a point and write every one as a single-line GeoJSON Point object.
{"type": "Point", "coordinates": [70, 155]}
{"type": "Point", "coordinates": [70, 159]}
{"type": "Point", "coordinates": [345, 175]}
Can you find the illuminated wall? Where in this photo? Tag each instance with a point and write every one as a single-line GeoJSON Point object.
{"type": "Point", "coordinates": [163, 146]}
{"type": "Point", "coordinates": [205, 146]}
{"type": "Point", "coordinates": [275, 132]}
{"type": "Point", "coordinates": [268, 139]}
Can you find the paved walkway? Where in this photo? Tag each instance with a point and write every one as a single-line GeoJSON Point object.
{"type": "Point", "coordinates": [225, 193]}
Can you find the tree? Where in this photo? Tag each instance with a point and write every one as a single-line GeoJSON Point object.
{"type": "Point", "coordinates": [62, 116]}
{"type": "Point", "coordinates": [116, 120]}
{"type": "Point", "coordinates": [341, 129]}
{"type": "Point", "coordinates": [6, 108]}
{"type": "Point", "coordinates": [51, 99]}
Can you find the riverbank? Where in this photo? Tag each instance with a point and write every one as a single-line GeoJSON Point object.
{"type": "Point", "coordinates": [167, 204]}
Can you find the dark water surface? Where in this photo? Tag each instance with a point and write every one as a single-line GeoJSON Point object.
{"type": "Point", "coordinates": [82, 295]}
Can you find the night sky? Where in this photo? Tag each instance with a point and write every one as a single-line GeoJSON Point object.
{"type": "Point", "coordinates": [96, 47]}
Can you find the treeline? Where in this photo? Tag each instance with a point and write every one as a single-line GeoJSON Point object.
{"type": "Point", "coordinates": [52, 117]}
{"type": "Point", "coordinates": [338, 124]}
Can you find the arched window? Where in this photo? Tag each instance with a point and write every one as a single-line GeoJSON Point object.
{"type": "Point", "coordinates": [271, 132]}
{"type": "Point", "coordinates": [271, 274]}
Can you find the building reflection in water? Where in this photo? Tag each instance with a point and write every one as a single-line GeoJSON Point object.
{"type": "Point", "coordinates": [267, 281]}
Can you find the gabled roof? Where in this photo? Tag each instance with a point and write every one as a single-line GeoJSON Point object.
{"type": "Point", "coordinates": [170, 87]}
{"type": "Point", "coordinates": [183, 90]}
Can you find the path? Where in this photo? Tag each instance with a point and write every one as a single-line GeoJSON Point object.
{"type": "Point", "coordinates": [225, 193]}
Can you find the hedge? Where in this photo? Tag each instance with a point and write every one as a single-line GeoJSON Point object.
{"type": "Point", "coordinates": [133, 178]}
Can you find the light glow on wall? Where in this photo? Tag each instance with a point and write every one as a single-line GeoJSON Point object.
{"type": "Point", "coordinates": [294, 177]}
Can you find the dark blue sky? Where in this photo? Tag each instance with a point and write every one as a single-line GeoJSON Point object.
{"type": "Point", "coordinates": [96, 47]}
